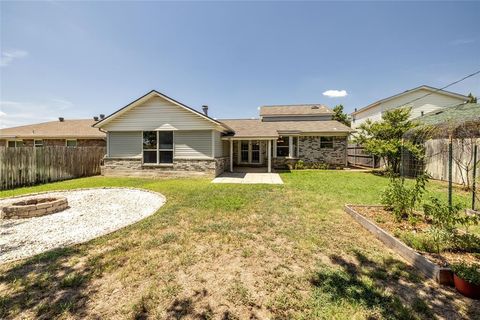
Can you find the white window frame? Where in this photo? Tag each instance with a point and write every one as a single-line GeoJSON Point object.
{"type": "Point", "coordinates": [66, 143]}
{"type": "Point", "coordinates": [35, 143]}
{"type": "Point", "coordinates": [158, 150]}
{"type": "Point", "coordinates": [239, 147]}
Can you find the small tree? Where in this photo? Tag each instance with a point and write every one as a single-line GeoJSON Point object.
{"type": "Point", "coordinates": [471, 98]}
{"type": "Point", "coordinates": [384, 138]}
{"type": "Point", "coordinates": [340, 115]}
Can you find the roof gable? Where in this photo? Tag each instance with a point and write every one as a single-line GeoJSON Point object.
{"type": "Point", "coordinates": [123, 112]}
{"type": "Point", "coordinates": [431, 90]}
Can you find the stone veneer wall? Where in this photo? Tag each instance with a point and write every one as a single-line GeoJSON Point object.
{"type": "Point", "coordinates": [309, 150]}
{"type": "Point", "coordinates": [179, 168]}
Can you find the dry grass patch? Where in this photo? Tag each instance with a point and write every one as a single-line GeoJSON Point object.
{"type": "Point", "coordinates": [231, 252]}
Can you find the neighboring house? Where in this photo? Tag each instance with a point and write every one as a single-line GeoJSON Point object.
{"type": "Point", "coordinates": [70, 133]}
{"type": "Point", "coordinates": [157, 135]}
{"type": "Point", "coordinates": [461, 123]}
{"type": "Point", "coordinates": [422, 100]}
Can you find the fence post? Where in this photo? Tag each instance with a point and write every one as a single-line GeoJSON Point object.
{"type": "Point", "coordinates": [450, 169]}
{"type": "Point", "coordinates": [474, 176]}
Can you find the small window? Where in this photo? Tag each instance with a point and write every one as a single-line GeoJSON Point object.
{"type": "Point", "coordinates": [38, 143]}
{"type": "Point", "coordinates": [15, 143]}
{"type": "Point", "coordinates": [72, 143]}
{"type": "Point", "coordinates": [326, 142]}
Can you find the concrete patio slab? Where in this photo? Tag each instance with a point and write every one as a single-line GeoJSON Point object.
{"type": "Point", "coordinates": [248, 178]}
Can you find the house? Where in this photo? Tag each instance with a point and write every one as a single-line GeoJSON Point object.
{"type": "Point", "coordinates": [422, 100]}
{"type": "Point", "coordinates": [458, 125]}
{"type": "Point", "coordinates": [63, 132]}
{"type": "Point", "coordinates": [157, 135]}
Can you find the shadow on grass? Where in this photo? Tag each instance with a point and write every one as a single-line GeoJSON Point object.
{"type": "Point", "coordinates": [45, 286]}
{"type": "Point", "coordinates": [391, 289]}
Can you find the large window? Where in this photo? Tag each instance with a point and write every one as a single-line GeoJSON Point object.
{"type": "Point", "coordinates": [282, 147]}
{"type": "Point", "coordinates": [158, 147]}
{"type": "Point", "coordinates": [326, 142]}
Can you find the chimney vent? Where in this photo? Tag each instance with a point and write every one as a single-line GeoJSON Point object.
{"type": "Point", "coordinates": [102, 116]}
{"type": "Point", "coordinates": [205, 109]}
{"type": "Point", "coordinates": [61, 119]}
{"type": "Point", "coordinates": [95, 118]}
{"type": "Point", "coordinates": [355, 110]}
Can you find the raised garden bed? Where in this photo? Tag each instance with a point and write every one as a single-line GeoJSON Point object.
{"type": "Point", "coordinates": [382, 224]}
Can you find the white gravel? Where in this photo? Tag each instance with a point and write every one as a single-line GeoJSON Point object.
{"type": "Point", "coordinates": [91, 213]}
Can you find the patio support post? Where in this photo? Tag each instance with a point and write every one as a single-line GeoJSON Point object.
{"type": "Point", "coordinates": [269, 155]}
{"type": "Point", "coordinates": [290, 147]}
{"type": "Point", "coordinates": [231, 155]}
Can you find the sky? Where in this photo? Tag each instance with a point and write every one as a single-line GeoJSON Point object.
{"type": "Point", "coordinates": [80, 59]}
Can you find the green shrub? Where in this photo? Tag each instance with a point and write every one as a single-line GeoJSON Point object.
{"type": "Point", "coordinates": [402, 199]}
{"type": "Point", "coordinates": [445, 220]}
{"type": "Point", "coordinates": [469, 273]}
{"type": "Point", "coordinates": [300, 165]}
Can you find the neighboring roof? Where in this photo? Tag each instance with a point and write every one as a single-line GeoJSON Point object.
{"type": "Point", "coordinates": [144, 98]}
{"type": "Point", "coordinates": [251, 128]}
{"type": "Point", "coordinates": [462, 120]}
{"type": "Point", "coordinates": [295, 109]}
{"type": "Point", "coordinates": [424, 87]}
{"type": "Point", "coordinates": [81, 128]}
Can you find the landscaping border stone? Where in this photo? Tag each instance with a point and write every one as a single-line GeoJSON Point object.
{"type": "Point", "coordinates": [440, 274]}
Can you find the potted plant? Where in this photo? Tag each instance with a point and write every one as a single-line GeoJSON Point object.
{"type": "Point", "coordinates": [467, 279]}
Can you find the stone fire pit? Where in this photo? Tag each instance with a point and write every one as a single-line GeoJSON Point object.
{"type": "Point", "coordinates": [35, 207]}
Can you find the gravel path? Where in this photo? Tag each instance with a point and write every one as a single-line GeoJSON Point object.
{"type": "Point", "coordinates": [91, 213]}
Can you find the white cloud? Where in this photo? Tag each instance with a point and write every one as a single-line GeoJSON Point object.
{"type": "Point", "coordinates": [9, 55]}
{"type": "Point", "coordinates": [335, 93]}
{"type": "Point", "coordinates": [16, 113]}
{"type": "Point", "coordinates": [459, 42]}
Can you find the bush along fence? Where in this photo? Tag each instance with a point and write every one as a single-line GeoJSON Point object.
{"type": "Point", "coordinates": [24, 166]}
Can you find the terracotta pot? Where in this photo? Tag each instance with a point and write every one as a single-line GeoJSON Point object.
{"type": "Point", "coordinates": [466, 288]}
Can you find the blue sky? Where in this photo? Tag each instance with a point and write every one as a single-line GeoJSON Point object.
{"type": "Point", "coordinates": [85, 58]}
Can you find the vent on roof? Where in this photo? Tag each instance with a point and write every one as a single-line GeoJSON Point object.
{"type": "Point", "coordinates": [95, 118]}
{"type": "Point", "coordinates": [61, 119]}
{"type": "Point", "coordinates": [315, 107]}
{"type": "Point", "coordinates": [205, 109]}
{"type": "Point", "coordinates": [102, 116]}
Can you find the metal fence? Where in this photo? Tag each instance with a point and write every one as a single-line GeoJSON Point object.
{"type": "Point", "coordinates": [25, 166]}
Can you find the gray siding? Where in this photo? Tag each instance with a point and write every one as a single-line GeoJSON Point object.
{"type": "Point", "coordinates": [158, 114]}
{"type": "Point", "coordinates": [218, 145]}
{"type": "Point", "coordinates": [125, 144]}
{"type": "Point", "coordinates": [193, 144]}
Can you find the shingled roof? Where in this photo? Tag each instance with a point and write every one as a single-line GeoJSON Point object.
{"type": "Point", "coordinates": [297, 109]}
{"type": "Point", "coordinates": [54, 129]}
{"type": "Point", "coordinates": [254, 128]}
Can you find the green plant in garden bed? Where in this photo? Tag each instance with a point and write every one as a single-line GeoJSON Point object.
{"type": "Point", "coordinates": [467, 272]}
{"type": "Point", "coordinates": [402, 199]}
{"type": "Point", "coordinates": [444, 220]}
{"type": "Point", "coordinates": [300, 165]}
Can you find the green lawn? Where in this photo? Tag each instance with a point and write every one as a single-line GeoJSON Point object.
{"type": "Point", "coordinates": [217, 251]}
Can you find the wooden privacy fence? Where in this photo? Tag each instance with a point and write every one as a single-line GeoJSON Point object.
{"type": "Point", "coordinates": [358, 157]}
{"type": "Point", "coordinates": [25, 166]}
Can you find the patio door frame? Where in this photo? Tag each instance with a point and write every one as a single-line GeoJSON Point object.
{"type": "Point", "coordinates": [250, 149]}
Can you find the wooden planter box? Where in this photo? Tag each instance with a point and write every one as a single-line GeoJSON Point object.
{"type": "Point", "coordinates": [440, 274]}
